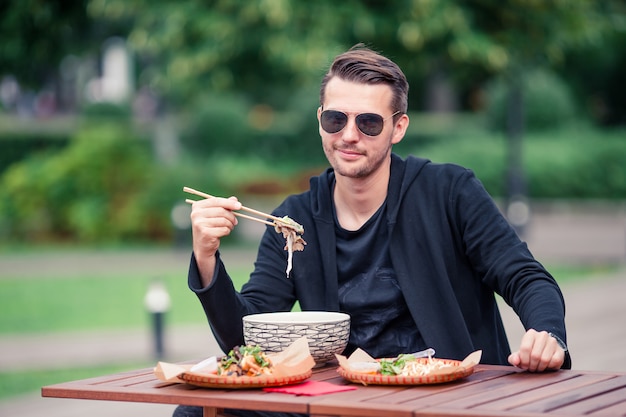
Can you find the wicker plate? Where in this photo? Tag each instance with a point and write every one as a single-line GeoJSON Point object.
{"type": "Point", "coordinates": [438, 377]}
{"type": "Point", "coordinates": [238, 382]}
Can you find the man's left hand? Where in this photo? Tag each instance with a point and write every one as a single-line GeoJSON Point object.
{"type": "Point", "coordinates": [538, 352]}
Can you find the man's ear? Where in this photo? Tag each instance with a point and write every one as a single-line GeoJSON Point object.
{"type": "Point", "coordinates": [399, 128]}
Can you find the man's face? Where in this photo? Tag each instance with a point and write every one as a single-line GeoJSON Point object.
{"type": "Point", "coordinates": [349, 151]}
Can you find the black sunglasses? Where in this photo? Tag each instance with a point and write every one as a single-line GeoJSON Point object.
{"type": "Point", "coordinates": [371, 124]}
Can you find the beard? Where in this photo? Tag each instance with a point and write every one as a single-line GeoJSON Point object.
{"type": "Point", "coordinates": [365, 166]}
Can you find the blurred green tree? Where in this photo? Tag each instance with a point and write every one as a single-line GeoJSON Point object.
{"type": "Point", "coordinates": [37, 34]}
{"type": "Point", "coordinates": [266, 48]}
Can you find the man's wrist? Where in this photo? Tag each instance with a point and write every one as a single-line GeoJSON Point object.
{"type": "Point", "coordinates": [561, 343]}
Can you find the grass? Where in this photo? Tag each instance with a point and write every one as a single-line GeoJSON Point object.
{"type": "Point", "coordinates": [570, 273]}
{"type": "Point", "coordinates": [18, 383]}
{"type": "Point", "coordinates": [31, 305]}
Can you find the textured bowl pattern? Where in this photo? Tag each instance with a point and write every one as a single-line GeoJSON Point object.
{"type": "Point", "coordinates": [325, 338]}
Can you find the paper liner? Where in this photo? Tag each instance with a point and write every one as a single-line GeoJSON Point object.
{"type": "Point", "coordinates": [290, 366]}
{"type": "Point", "coordinates": [457, 370]}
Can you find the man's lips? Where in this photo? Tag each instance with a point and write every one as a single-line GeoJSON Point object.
{"type": "Point", "coordinates": [349, 153]}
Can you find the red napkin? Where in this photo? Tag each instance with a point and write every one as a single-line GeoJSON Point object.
{"type": "Point", "coordinates": [311, 388]}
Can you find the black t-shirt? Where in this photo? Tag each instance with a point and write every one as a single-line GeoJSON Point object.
{"type": "Point", "coordinates": [380, 322]}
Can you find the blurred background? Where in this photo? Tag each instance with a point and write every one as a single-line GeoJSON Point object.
{"type": "Point", "coordinates": [109, 107]}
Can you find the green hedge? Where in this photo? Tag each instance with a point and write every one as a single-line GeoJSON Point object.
{"type": "Point", "coordinates": [577, 163]}
{"type": "Point", "coordinates": [548, 102]}
{"type": "Point", "coordinates": [570, 162]}
{"type": "Point", "coordinates": [21, 137]}
{"type": "Point", "coordinates": [87, 191]}
{"type": "Point", "coordinates": [229, 124]}
{"type": "Point", "coordinates": [15, 147]}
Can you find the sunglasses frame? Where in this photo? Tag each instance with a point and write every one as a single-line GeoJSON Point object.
{"type": "Point", "coordinates": [356, 120]}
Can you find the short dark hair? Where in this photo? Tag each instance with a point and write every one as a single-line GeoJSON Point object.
{"type": "Point", "coordinates": [363, 65]}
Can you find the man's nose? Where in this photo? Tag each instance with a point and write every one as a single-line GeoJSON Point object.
{"type": "Point", "coordinates": [351, 132]}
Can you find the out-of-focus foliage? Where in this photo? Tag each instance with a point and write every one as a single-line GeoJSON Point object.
{"type": "Point", "coordinates": [37, 34]}
{"type": "Point", "coordinates": [571, 162]}
{"type": "Point", "coordinates": [17, 146]}
{"type": "Point", "coordinates": [105, 110]}
{"type": "Point", "coordinates": [597, 75]}
{"type": "Point", "coordinates": [217, 124]}
{"type": "Point", "coordinates": [229, 124]}
{"type": "Point", "coordinates": [575, 163]}
{"type": "Point", "coordinates": [87, 191]}
{"type": "Point", "coordinates": [548, 102]}
{"type": "Point", "coordinates": [268, 48]}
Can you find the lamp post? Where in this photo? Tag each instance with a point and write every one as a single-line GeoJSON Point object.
{"type": "Point", "coordinates": [182, 223]}
{"type": "Point", "coordinates": [157, 302]}
{"type": "Point", "coordinates": [518, 209]}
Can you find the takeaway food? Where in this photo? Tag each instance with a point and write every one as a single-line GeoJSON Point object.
{"type": "Point", "coordinates": [404, 369]}
{"type": "Point", "coordinates": [402, 365]}
{"type": "Point", "coordinates": [408, 365]}
{"type": "Point", "coordinates": [245, 361]}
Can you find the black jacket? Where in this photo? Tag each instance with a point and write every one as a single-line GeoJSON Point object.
{"type": "Point", "coordinates": [451, 249]}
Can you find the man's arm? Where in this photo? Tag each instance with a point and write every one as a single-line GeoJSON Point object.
{"type": "Point", "coordinates": [211, 220]}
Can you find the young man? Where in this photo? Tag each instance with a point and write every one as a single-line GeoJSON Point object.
{"type": "Point", "coordinates": [413, 251]}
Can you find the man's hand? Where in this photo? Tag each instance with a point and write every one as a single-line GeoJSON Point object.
{"type": "Point", "coordinates": [538, 352]}
{"type": "Point", "coordinates": [211, 220]}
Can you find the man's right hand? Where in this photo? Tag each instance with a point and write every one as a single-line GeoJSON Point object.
{"type": "Point", "coordinates": [211, 220]}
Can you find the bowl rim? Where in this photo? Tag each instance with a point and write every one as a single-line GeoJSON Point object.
{"type": "Point", "coordinates": [291, 317]}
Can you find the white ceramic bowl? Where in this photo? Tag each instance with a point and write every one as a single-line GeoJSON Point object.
{"type": "Point", "coordinates": [327, 332]}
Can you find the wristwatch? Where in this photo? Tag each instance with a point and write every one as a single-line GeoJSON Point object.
{"type": "Point", "coordinates": [561, 343]}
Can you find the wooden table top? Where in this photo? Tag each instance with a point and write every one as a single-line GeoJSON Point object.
{"type": "Point", "coordinates": [489, 391]}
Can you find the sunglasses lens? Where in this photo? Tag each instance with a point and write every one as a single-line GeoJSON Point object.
{"type": "Point", "coordinates": [333, 121]}
{"type": "Point", "coordinates": [369, 123]}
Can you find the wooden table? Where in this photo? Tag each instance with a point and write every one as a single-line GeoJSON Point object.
{"type": "Point", "coordinates": [490, 391]}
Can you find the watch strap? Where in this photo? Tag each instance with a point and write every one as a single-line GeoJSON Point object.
{"type": "Point", "coordinates": [561, 343]}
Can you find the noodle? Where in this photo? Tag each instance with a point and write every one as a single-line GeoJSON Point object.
{"type": "Point", "coordinates": [292, 232]}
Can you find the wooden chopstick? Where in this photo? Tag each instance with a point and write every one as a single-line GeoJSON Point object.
{"type": "Point", "coordinates": [244, 208]}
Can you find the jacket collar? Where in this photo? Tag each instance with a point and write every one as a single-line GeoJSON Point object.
{"type": "Point", "coordinates": [403, 173]}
